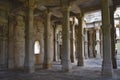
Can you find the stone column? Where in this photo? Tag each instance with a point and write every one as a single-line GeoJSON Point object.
{"type": "Point", "coordinates": [80, 40]}
{"type": "Point", "coordinates": [72, 42]}
{"type": "Point", "coordinates": [19, 41]}
{"type": "Point", "coordinates": [86, 44]}
{"type": "Point", "coordinates": [97, 47]}
{"type": "Point", "coordinates": [56, 47]}
{"type": "Point", "coordinates": [113, 39]}
{"type": "Point", "coordinates": [47, 41]}
{"type": "Point", "coordinates": [91, 43]}
{"type": "Point", "coordinates": [0, 48]}
{"type": "Point", "coordinates": [3, 52]}
{"type": "Point", "coordinates": [55, 44]}
{"type": "Point", "coordinates": [10, 42]}
{"type": "Point", "coordinates": [107, 70]}
{"type": "Point", "coordinates": [101, 42]}
{"type": "Point", "coordinates": [65, 55]}
{"type": "Point", "coordinates": [29, 56]}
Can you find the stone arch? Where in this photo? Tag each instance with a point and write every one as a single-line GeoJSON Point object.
{"type": "Point", "coordinates": [37, 52]}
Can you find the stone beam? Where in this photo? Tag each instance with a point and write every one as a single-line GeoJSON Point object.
{"type": "Point", "coordinates": [75, 8]}
{"type": "Point", "coordinates": [4, 6]}
{"type": "Point", "coordinates": [80, 1]}
{"type": "Point", "coordinates": [57, 13]}
{"type": "Point", "coordinates": [49, 2]}
{"type": "Point", "coordinates": [91, 8]}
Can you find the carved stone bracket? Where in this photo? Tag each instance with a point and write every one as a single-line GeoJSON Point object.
{"type": "Point", "coordinates": [31, 4]}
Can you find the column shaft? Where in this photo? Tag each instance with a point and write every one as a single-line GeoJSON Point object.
{"type": "Point", "coordinates": [91, 43]}
{"type": "Point", "coordinates": [55, 44]}
{"type": "Point", "coordinates": [72, 26]}
{"type": "Point", "coordinates": [19, 42]}
{"type": "Point", "coordinates": [3, 54]}
{"type": "Point", "coordinates": [10, 43]}
{"type": "Point", "coordinates": [30, 57]}
{"type": "Point", "coordinates": [86, 44]}
{"type": "Point", "coordinates": [66, 63]}
{"type": "Point", "coordinates": [98, 43]}
{"type": "Point", "coordinates": [114, 62]}
{"type": "Point", "coordinates": [80, 41]}
{"type": "Point", "coordinates": [47, 42]}
{"type": "Point", "coordinates": [107, 70]}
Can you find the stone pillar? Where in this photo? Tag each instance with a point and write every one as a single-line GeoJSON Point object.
{"type": "Point", "coordinates": [107, 70]}
{"type": "Point", "coordinates": [29, 56]}
{"type": "Point", "coordinates": [3, 52]}
{"type": "Point", "coordinates": [97, 47]}
{"type": "Point", "coordinates": [80, 41]}
{"type": "Point", "coordinates": [19, 42]}
{"type": "Point", "coordinates": [86, 44]}
{"type": "Point", "coordinates": [0, 43]}
{"type": "Point", "coordinates": [58, 46]}
{"type": "Point", "coordinates": [65, 55]}
{"type": "Point", "coordinates": [10, 42]}
{"type": "Point", "coordinates": [47, 42]}
{"type": "Point", "coordinates": [72, 42]}
{"type": "Point", "coordinates": [101, 43]}
{"type": "Point", "coordinates": [55, 44]}
{"type": "Point", "coordinates": [113, 39]}
{"type": "Point", "coordinates": [91, 43]}
{"type": "Point", "coordinates": [42, 45]}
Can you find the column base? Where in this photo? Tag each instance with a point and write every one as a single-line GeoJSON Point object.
{"type": "Point", "coordinates": [98, 56]}
{"type": "Point", "coordinates": [18, 69]}
{"type": "Point", "coordinates": [3, 67]}
{"type": "Point", "coordinates": [86, 57]}
{"type": "Point", "coordinates": [72, 60]}
{"type": "Point", "coordinates": [114, 62]}
{"type": "Point", "coordinates": [66, 66]}
{"type": "Point", "coordinates": [10, 66]}
{"type": "Point", "coordinates": [29, 69]}
{"type": "Point", "coordinates": [47, 66]}
{"type": "Point", "coordinates": [107, 71]}
{"type": "Point", "coordinates": [80, 63]}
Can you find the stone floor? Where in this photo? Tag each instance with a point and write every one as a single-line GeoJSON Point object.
{"type": "Point", "coordinates": [91, 71]}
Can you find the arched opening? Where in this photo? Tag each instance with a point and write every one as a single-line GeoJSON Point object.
{"type": "Point", "coordinates": [37, 52]}
{"type": "Point", "coordinates": [37, 47]}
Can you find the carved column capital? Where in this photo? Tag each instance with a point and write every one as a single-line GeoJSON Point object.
{"type": "Point", "coordinates": [65, 6]}
{"type": "Point", "coordinates": [97, 28]}
{"type": "Point", "coordinates": [48, 12]}
{"type": "Point", "coordinates": [31, 4]}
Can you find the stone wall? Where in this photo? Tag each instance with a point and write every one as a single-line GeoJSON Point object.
{"type": "Point", "coordinates": [39, 36]}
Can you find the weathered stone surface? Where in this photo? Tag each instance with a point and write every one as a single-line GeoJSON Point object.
{"type": "Point", "coordinates": [107, 69]}
{"type": "Point", "coordinates": [39, 36]}
{"type": "Point", "coordinates": [48, 41]}
{"type": "Point", "coordinates": [19, 42]}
